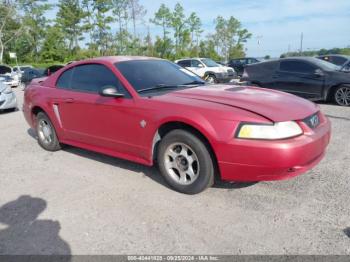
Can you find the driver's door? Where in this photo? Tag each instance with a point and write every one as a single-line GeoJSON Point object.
{"type": "Point", "coordinates": [299, 78]}
{"type": "Point", "coordinates": [89, 118]}
{"type": "Point", "coordinates": [197, 67]}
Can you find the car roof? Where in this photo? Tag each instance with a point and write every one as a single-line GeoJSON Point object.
{"type": "Point", "coordinates": [337, 55]}
{"type": "Point", "coordinates": [118, 59]}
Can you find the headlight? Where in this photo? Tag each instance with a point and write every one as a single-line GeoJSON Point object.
{"type": "Point", "coordinates": [7, 90]}
{"type": "Point", "coordinates": [279, 130]}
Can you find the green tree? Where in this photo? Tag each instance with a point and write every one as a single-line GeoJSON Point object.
{"type": "Point", "coordinates": [101, 25]}
{"type": "Point", "coordinates": [10, 26]}
{"type": "Point", "coordinates": [230, 37]}
{"type": "Point", "coordinates": [195, 25]}
{"type": "Point", "coordinates": [163, 18]}
{"type": "Point", "coordinates": [34, 23]}
{"type": "Point", "coordinates": [54, 48]}
{"type": "Point", "coordinates": [179, 25]}
{"type": "Point", "coordinates": [137, 13]}
{"type": "Point", "coordinates": [69, 19]}
{"type": "Point", "coordinates": [121, 15]}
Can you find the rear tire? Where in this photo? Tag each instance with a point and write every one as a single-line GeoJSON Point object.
{"type": "Point", "coordinates": [46, 133]}
{"type": "Point", "coordinates": [185, 162]}
{"type": "Point", "coordinates": [341, 95]}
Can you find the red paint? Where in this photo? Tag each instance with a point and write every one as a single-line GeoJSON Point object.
{"type": "Point", "coordinates": [112, 126]}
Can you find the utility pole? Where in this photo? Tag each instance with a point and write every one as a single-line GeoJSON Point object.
{"type": "Point", "coordinates": [301, 42]}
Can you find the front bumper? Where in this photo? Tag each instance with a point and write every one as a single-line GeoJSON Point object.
{"type": "Point", "coordinates": [8, 101]}
{"type": "Point", "coordinates": [256, 160]}
{"type": "Point", "coordinates": [225, 77]}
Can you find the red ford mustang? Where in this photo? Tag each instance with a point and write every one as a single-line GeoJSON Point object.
{"type": "Point", "coordinates": [150, 110]}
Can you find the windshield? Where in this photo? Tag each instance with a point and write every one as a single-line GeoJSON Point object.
{"type": "Point", "coordinates": [327, 65]}
{"type": "Point", "coordinates": [148, 74]}
{"type": "Point", "coordinates": [209, 63]}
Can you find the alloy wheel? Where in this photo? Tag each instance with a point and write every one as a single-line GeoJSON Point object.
{"type": "Point", "coordinates": [181, 163]}
{"type": "Point", "coordinates": [342, 96]}
{"type": "Point", "coordinates": [45, 132]}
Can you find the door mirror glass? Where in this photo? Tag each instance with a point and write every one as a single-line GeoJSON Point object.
{"type": "Point", "coordinates": [110, 91]}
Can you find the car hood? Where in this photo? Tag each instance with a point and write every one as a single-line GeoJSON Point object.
{"type": "Point", "coordinates": [274, 105]}
{"type": "Point", "coordinates": [2, 86]}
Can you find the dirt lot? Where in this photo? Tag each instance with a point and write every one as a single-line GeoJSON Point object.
{"type": "Point", "coordinates": [79, 202]}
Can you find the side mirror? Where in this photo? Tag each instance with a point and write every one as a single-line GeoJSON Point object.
{"type": "Point", "coordinates": [110, 91]}
{"type": "Point", "coordinates": [200, 66]}
{"type": "Point", "coordinates": [318, 72]}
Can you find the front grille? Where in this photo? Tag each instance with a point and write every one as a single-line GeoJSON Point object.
{"type": "Point", "coordinates": [313, 121]}
{"type": "Point", "coordinates": [230, 72]}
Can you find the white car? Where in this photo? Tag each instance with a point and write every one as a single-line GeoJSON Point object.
{"type": "Point", "coordinates": [208, 69]}
{"type": "Point", "coordinates": [8, 98]}
{"type": "Point", "coordinates": [8, 71]}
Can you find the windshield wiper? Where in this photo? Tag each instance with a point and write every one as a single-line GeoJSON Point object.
{"type": "Point", "coordinates": [195, 83]}
{"type": "Point", "coordinates": [158, 87]}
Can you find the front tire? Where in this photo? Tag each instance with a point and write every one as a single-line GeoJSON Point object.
{"type": "Point", "coordinates": [211, 79]}
{"type": "Point", "coordinates": [45, 130]}
{"type": "Point", "coordinates": [185, 162]}
{"type": "Point", "coordinates": [342, 95]}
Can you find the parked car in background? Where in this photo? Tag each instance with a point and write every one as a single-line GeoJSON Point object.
{"type": "Point", "coordinates": [8, 71]}
{"type": "Point", "coordinates": [239, 64]}
{"type": "Point", "coordinates": [22, 68]}
{"type": "Point", "coordinates": [8, 99]}
{"type": "Point", "coordinates": [307, 77]}
{"type": "Point", "coordinates": [31, 73]}
{"type": "Point", "coordinates": [150, 110]}
{"type": "Point", "coordinates": [208, 69]}
{"type": "Point", "coordinates": [340, 60]}
{"type": "Point", "coordinates": [52, 69]}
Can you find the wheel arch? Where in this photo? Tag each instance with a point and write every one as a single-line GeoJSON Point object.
{"type": "Point", "coordinates": [328, 96]}
{"type": "Point", "coordinates": [167, 127]}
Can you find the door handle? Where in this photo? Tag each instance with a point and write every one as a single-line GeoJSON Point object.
{"type": "Point", "coordinates": [68, 100]}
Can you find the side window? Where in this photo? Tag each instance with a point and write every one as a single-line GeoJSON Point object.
{"type": "Point", "coordinates": [297, 67]}
{"type": "Point", "coordinates": [92, 77]}
{"type": "Point", "coordinates": [338, 60]}
{"type": "Point", "coordinates": [184, 63]}
{"type": "Point", "coordinates": [195, 63]}
{"type": "Point", "coordinates": [65, 79]}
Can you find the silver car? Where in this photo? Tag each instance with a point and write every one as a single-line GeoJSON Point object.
{"type": "Point", "coordinates": [8, 98]}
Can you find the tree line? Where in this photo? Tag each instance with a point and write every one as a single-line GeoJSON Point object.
{"type": "Point", "coordinates": [89, 28]}
{"type": "Point", "coordinates": [323, 51]}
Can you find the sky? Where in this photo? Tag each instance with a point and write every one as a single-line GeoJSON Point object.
{"type": "Point", "coordinates": [276, 25]}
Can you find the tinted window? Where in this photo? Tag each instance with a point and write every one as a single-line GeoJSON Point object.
{"type": "Point", "coordinates": [141, 73]}
{"type": "Point", "coordinates": [338, 60]}
{"type": "Point", "coordinates": [93, 77]}
{"type": "Point", "coordinates": [297, 66]}
{"type": "Point", "coordinates": [65, 79]}
{"type": "Point", "coordinates": [184, 63]}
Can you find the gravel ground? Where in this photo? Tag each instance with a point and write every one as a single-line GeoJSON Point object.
{"type": "Point", "coordinates": [80, 202]}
